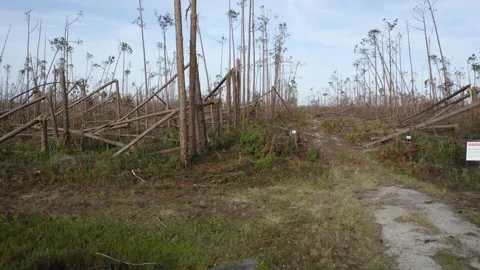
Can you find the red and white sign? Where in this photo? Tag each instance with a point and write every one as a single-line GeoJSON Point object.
{"type": "Point", "coordinates": [473, 151]}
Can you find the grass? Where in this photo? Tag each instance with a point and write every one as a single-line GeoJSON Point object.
{"type": "Point", "coordinates": [451, 262]}
{"type": "Point", "coordinates": [308, 220]}
{"type": "Point", "coordinates": [418, 219]}
{"type": "Point", "coordinates": [264, 204]}
{"type": "Point", "coordinates": [50, 242]}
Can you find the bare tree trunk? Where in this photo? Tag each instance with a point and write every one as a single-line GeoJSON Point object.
{"type": "Point", "coordinates": [421, 13]}
{"type": "Point", "coordinates": [52, 114]}
{"type": "Point", "coordinates": [137, 114]}
{"type": "Point", "coordinates": [411, 70]}
{"type": "Point", "coordinates": [181, 85]}
{"type": "Point", "coordinates": [192, 136]}
{"type": "Point", "coordinates": [118, 100]}
{"type": "Point", "coordinates": [204, 58]}
{"type": "Point", "coordinates": [236, 94]}
{"type": "Point", "coordinates": [44, 134]}
{"type": "Point", "coordinates": [229, 100]}
{"type": "Point", "coordinates": [140, 9]}
{"type": "Point", "coordinates": [242, 2]}
{"type": "Point", "coordinates": [254, 83]}
{"type": "Point", "coordinates": [250, 8]}
{"type": "Point", "coordinates": [201, 128]}
{"type": "Point", "coordinates": [66, 120]}
{"type": "Point", "coordinates": [445, 71]}
{"type": "Point", "coordinates": [216, 121]}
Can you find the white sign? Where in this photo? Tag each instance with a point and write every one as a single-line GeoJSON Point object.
{"type": "Point", "coordinates": [473, 151]}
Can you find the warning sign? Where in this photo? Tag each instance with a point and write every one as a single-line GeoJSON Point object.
{"type": "Point", "coordinates": [473, 151]}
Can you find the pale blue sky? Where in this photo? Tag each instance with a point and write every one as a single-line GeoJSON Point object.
{"type": "Point", "coordinates": [323, 33]}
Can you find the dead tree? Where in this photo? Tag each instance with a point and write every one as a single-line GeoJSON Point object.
{"type": "Point", "coordinates": [192, 136]}
{"type": "Point", "coordinates": [445, 71]}
{"type": "Point", "coordinates": [142, 25]}
{"type": "Point", "coordinates": [181, 84]}
{"type": "Point", "coordinates": [66, 120]}
{"type": "Point", "coordinates": [421, 18]}
{"type": "Point", "coordinates": [201, 128]}
{"type": "Point", "coordinates": [44, 134]}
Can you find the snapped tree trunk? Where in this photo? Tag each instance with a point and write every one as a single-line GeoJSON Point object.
{"type": "Point", "coordinates": [44, 134]}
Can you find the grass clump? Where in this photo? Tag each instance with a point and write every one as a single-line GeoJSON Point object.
{"type": "Point", "coordinates": [420, 220]}
{"type": "Point", "coordinates": [451, 262]}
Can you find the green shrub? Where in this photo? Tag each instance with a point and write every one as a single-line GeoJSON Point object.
{"type": "Point", "coordinates": [313, 153]}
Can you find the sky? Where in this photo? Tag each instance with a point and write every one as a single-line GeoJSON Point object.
{"type": "Point", "coordinates": [323, 33]}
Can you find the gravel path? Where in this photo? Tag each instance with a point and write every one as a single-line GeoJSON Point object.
{"type": "Point", "coordinates": [415, 228]}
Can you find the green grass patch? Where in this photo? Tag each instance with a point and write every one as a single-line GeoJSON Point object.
{"type": "Point", "coordinates": [418, 219]}
{"type": "Point", "coordinates": [451, 262]}
{"type": "Point", "coordinates": [33, 242]}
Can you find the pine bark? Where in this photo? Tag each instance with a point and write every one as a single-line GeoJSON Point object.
{"type": "Point", "coordinates": [181, 84]}
{"type": "Point", "coordinates": [66, 121]}
{"type": "Point", "coordinates": [192, 126]}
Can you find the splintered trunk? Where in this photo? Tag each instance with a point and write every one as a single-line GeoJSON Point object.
{"type": "Point", "coordinates": [193, 80]}
{"type": "Point", "coordinates": [181, 85]}
{"type": "Point", "coordinates": [44, 134]}
{"type": "Point", "coordinates": [66, 120]}
{"type": "Point", "coordinates": [216, 120]}
{"type": "Point", "coordinates": [51, 107]}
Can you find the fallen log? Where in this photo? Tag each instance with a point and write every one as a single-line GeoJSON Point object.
{"type": "Point", "coordinates": [171, 150]}
{"type": "Point", "coordinates": [146, 132]}
{"type": "Point", "coordinates": [21, 107]}
{"type": "Point", "coordinates": [436, 104]}
{"type": "Point", "coordinates": [153, 95]}
{"type": "Point", "coordinates": [138, 119]}
{"type": "Point", "coordinates": [218, 86]}
{"type": "Point", "coordinates": [19, 130]}
{"type": "Point", "coordinates": [98, 138]}
{"type": "Point", "coordinates": [454, 126]}
{"type": "Point", "coordinates": [91, 94]}
{"type": "Point", "coordinates": [450, 105]}
{"type": "Point", "coordinates": [422, 125]}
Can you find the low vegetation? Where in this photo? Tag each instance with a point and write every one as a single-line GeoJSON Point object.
{"type": "Point", "coordinates": [420, 220]}
{"type": "Point", "coordinates": [255, 199]}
